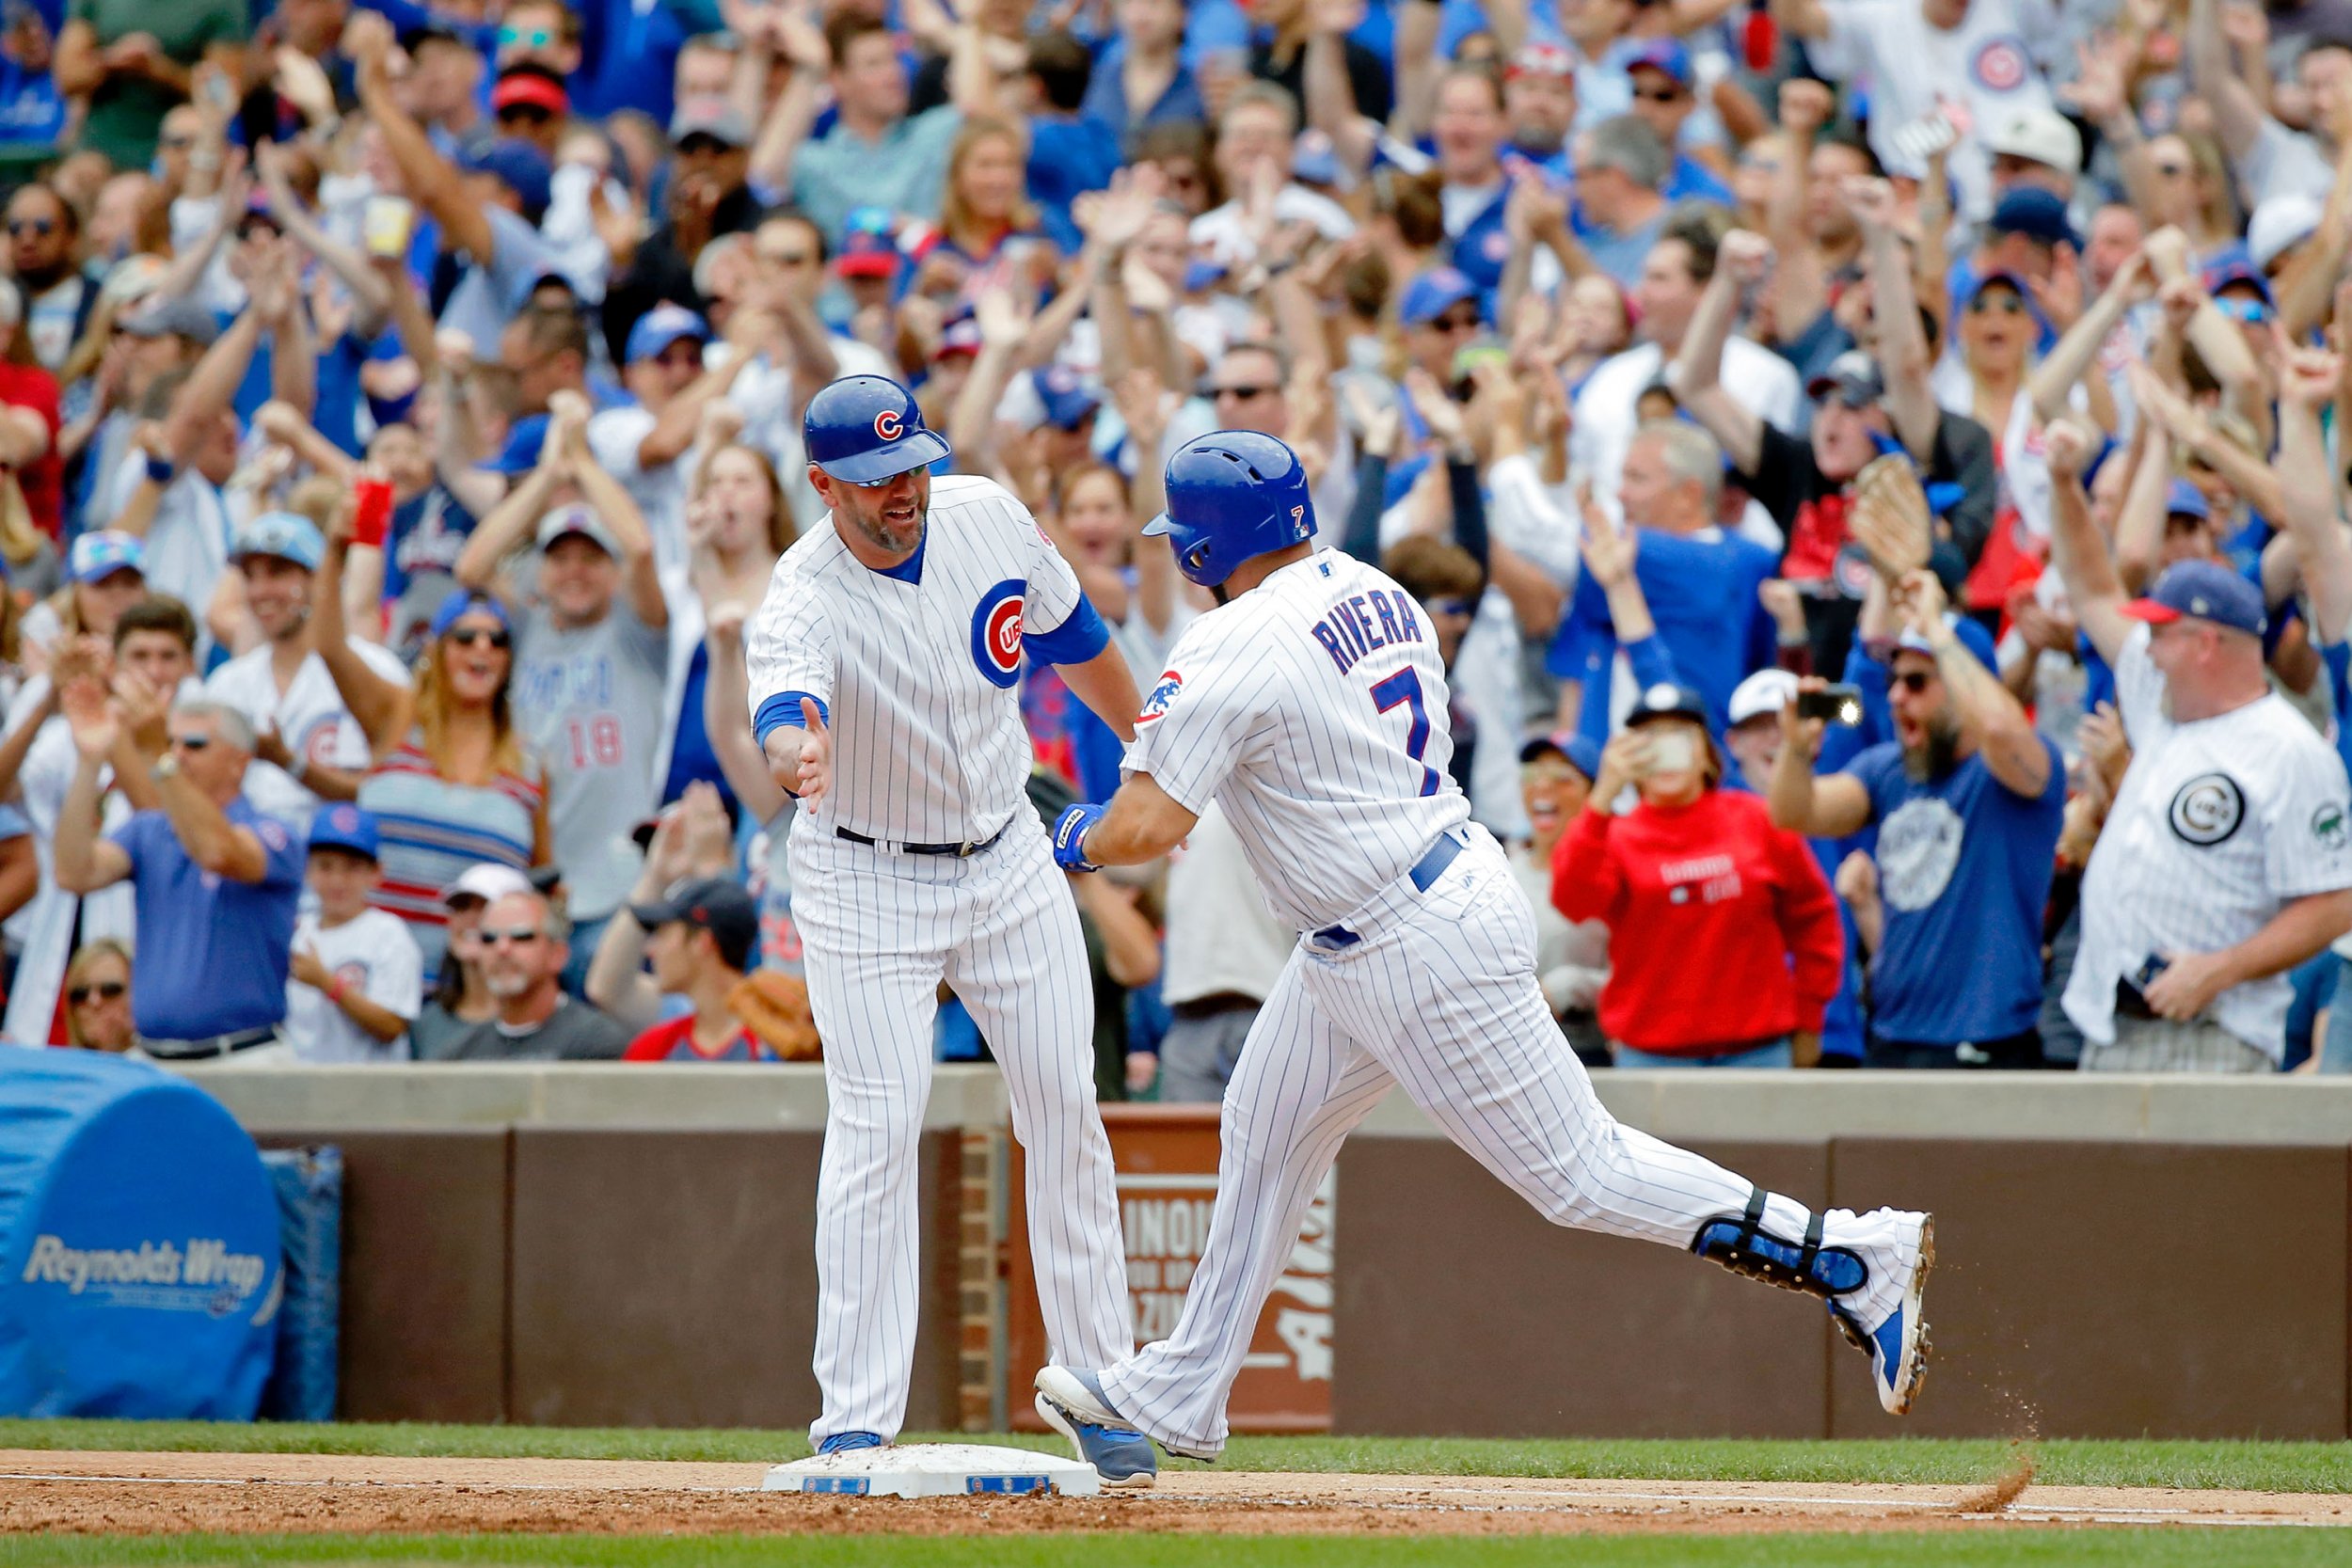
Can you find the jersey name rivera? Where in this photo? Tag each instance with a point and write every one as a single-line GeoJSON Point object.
{"type": "Point", "coordinates": [1349, 630]}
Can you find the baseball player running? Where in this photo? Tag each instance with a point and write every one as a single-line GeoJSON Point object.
{"type": "Point", "coordinates": [1312, 706]}
{"type": "Point", "coordinates": [883, 667]}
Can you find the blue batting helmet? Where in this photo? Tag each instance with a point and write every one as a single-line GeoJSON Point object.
{"type": "Point", "coordinates": [1233, 494]}
{"type": "Point", "coordinates": [868, 430]}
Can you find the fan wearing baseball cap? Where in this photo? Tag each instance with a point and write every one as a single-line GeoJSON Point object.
{"type": "Point", "coordinates": [1967, 800]}
{"type": "Point", "coordinates": [698, 932]}
{"type": "Point", "coordinates": [356, 979]}
{"type": "Point", "coordinates": [640, 444]}
{"type": "Point", "coordinates": [592, 651]}
{"type": "Point", "coordinates": [2226, 858]}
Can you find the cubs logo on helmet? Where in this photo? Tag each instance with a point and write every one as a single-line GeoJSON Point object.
{"type": "Point", "coordinates": [996, 631]}
{"type": "Point", "coordinates": [888, 425]}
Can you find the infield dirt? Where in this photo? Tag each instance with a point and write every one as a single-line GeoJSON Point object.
{"type": "Point", "coordinates": [172, 1493]}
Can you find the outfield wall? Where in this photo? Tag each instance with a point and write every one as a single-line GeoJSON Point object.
{"type": "Point", "coordinates": [600, 1244]}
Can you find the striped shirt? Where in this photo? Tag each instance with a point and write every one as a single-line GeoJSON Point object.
{"type": "Point", "coordinates": [433, 829]}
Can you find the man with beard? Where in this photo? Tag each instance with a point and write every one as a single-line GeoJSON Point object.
{"type": "Point", "coordinates": [524, 949]}
{"type": "Point", "coordinates": [307, 748]}
{"type": "Point", "coordinates": [1967, 800]}
{"type": "Point", "coordinates": [883, 666]}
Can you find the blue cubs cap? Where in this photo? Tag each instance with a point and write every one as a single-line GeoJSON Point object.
{"type": "Point", "coordinates": [1580, 752]}
{"type": "Point", "coordinates": [868, 430]}
{"type": "Point", "coordinates": [104, 553]}
{"type": "Point", "coordinates": [1433, 293]}
{"type": "Point", "coordinates": [465, 602]}
{"type": "Point", "coordinates": [343, 826]}
{"type": "Point", "coordinates": [1668, 700]}
{"type": "Point", "coordinates": [1064, 395]}
{"type": "Point", "coordinates": [2037, 213]}
{"type": "Point", "coordinates": [2184, 499]}
{"type": "Point", "coordinates": [662, 325]}
{"type": "Point", "coordinates": [2238, 267]}
{"type": "Point", "coordinates": [520, 454]}
{"type": "Point", "coordinates": [288, 535]}
{"type": "Point", "coordinates": [519, 166]}
{"type": "Point", "coordinates": [1667, 55]}
{"type": "Point", "coordinates": [2206, 590]}
{"type": "Point", "coordinates": [1231, 495]}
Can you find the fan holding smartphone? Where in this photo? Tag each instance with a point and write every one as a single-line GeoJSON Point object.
{"type": "Point", "coordinates": [1723, 938]}
{"type": "Point", "coordinates": [1967, 800]}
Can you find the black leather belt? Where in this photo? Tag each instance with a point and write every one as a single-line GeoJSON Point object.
{"type": "Point", "coordinates": [219, 1045]}
{"type": "Point", "coordinates": [1425, 871]}
{"type": "Point", "coordinates": [960, 851]}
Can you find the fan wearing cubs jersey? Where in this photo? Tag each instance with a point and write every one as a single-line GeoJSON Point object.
{"type": "Point", "coordinates": [1311, 705]}
{"type": "Point", "coordinates": [882, 666]}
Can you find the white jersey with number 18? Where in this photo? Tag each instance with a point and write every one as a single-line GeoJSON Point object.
{"type": "Point", "coordinates": [1314, 709]}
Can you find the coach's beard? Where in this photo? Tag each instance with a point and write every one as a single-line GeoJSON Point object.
{"type": "Point", "coordinates": [895, 530]}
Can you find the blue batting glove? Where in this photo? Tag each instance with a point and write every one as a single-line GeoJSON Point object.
{"type": "Point", "coordinates": [1069, 837]}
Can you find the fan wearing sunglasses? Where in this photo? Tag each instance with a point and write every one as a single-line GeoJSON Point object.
{"type": "Point", "coordinates": [523, 951]}
{"type": "Point", "coordinates": [449, 778]}
{"type": "Point", "coordinates": [1967, 799]}
{"type": "Point", "coordinates": [98, 997]}
{"type": "Point", "coordinates": [215, 884]}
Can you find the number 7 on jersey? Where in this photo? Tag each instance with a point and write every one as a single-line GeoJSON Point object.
{"type": "Point", "coordinates": [1404, 690]}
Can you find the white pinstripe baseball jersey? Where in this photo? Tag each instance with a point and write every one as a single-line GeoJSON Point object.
{"type": "Point", "coordinates": [917, 677]}
{"type": "Point", "coordinates": [1314, 709]}
{"type": "Point", "coordinates": [2217, 825]}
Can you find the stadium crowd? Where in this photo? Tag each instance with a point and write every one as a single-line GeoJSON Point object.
{"type": "Point", "coordinates": [1873, 466]}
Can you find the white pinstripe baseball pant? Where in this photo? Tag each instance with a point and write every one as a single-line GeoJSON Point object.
{"type": "Point", "coordinates": [881, 930]}
{"type": "Point", "coordinates": [1439, 996]}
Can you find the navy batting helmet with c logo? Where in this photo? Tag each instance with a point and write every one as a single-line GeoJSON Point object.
{"type": "Point", "coordinates": [868, 430]}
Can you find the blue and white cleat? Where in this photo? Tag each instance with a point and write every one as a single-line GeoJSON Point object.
{"type": "Point", "coordinates": [849, 1442]}
{"type": "Point", "coordinates": [1072, 1403]}
{"type": "Point", "coordinates": [1897, 1342]}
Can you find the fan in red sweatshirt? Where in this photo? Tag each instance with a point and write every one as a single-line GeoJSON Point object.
{"type": "Point", "coordinates": [1722, 935]}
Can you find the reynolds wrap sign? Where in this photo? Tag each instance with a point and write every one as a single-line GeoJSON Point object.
{"type": "Point", "coordinates": [201, 1275]}
{"type": "Point", "coordinates": [141, 1269]}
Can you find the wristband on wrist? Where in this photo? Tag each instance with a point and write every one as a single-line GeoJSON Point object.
{"type": "Point", "coordinates": [335, 990]}
{"type": "Point", "coordinates": [161, 470]}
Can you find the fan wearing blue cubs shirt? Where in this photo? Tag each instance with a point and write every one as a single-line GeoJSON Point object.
{"type": "Point", "coordinates": [883, 667]}
{"type": "Point", "coordinates": [1967, 800]}
{"type": "Point", "coordinates": [1701, 585]}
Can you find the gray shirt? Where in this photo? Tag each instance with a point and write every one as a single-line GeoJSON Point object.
{"type": "Point", "coordinates": [574, 1032]}
{"type": "Point", "coordinates": [589, 702]}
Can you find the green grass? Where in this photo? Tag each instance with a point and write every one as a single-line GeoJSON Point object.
{"type": "Point", "coordinates": [2239, 1466]}
{"type": "Point", "coordinates": [2008, 1548]}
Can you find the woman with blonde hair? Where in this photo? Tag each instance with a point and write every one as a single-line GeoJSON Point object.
{"type": "Point", "coordinates": [452, 782]}
{"type": "Point", "coordinates": [985, 219]}
{"type": "Point", "coordinates": [98, 997]}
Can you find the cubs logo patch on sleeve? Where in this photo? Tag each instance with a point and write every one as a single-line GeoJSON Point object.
{"type": "Point", "coordinates": [996, 631]}
{"type": "Point", "coordinates": [1161, 695]}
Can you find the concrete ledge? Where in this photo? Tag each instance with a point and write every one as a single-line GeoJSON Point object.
{"type": "Point", "coordinates": [1726, 1105]}
{"type": "Point", "coordinates": [1679, 1106]}
{"type": "Point", "coordinates": [717, 1096]}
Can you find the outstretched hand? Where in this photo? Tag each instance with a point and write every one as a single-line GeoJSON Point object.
{"type": "Point", "coordinates": [802, 761]}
